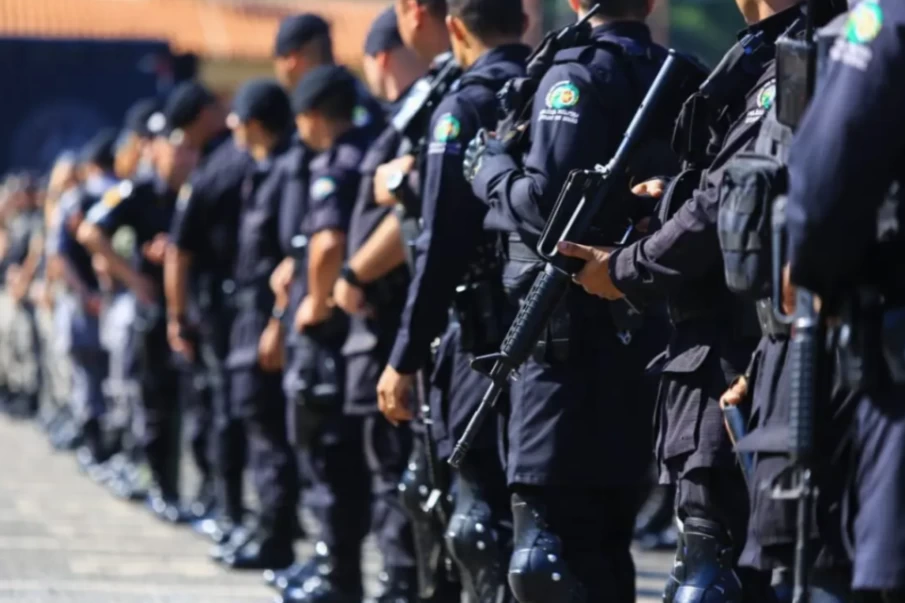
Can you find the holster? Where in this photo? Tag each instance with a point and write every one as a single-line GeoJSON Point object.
{"type": "Point", "coordinates": [871, 342]}
{"type": "Point", "coordinates": [769, 325]}
{"type": "Point", "coordinates": [477, 307]}
{"type": "Point", "coordinates": [315, 384]}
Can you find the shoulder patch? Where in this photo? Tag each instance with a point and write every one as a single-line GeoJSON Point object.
{"type": "Point", "coordinates": [185, 193]}
{"type": "Point", "coordinates": [114, 196]}
{"type": "Point", "coordinates": [562, 95]}
{"type": "Point", "coordinates": [447, 129]}
{"type": "Point", "coordinates": [767, 96]}
{"type": "Point", "coordinates": [864, 23]}
{"type": "Point", "coordinates": [322, 188]}
{"type": "Point", "coordinates": [361, 117]}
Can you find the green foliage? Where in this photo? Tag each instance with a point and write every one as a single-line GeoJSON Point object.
{"type": "Point", "coordinates": [706, 29]}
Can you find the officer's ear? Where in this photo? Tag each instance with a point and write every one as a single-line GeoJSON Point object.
{"type": "Point", "coordinates": [456, 29]}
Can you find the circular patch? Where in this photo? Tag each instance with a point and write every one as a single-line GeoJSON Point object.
{"type": "Point", "coordinates": [563, 95]}
{"type": "Point", "coordinates": [447, 129]}
{"type": "Point", "coordinates": [360, 117]}
{"type": "Point", "coordinates": [767, 96]}
{"type": "Point", "coordinates": [864, 23]}
{"type": "Point", "coordinates": [322, 188]}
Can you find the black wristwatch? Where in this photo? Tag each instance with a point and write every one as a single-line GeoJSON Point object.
{"type": "Point", "coordinates": [397, 182]}
{"type": "Point", "coordinates": [348, 275]}
{"type": "Point", "coordinates": [277, 313]}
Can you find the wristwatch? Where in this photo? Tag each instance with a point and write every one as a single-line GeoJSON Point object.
{"type": "Point", "coordinates": [277, 313]}
{"type": "Point", "coordinates": [397, 183]}
{"type": "Point", "coordinates": [348, 275]}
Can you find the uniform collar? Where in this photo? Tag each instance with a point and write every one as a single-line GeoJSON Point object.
{"type": "Point", "coordinates": [506, 52]}
{"type": "Point", "coordinates": [636, 30]}
{"type": "Point", "coordinates": [772, 27]}
{"type": "Point", "coordinates": [213, 143]}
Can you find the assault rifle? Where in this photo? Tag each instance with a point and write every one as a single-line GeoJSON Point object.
{"type": "Point", "coordinates": [587, 194]}
{"type": "Point", "coordinates": [796, 64]}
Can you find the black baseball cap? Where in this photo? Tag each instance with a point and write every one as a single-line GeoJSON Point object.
{"type": "Point", "coordinates": [183, 107]}
{"type": "Point", "coordinates": [99, 150]}
{"type": "Point", "coordinates": [263, 100]}
{"type": "Point", "coordinates": [298, 30]}
{"type": "Point", "coordinates": [136, 121]}
{"type": "Point", "coordinates": [384, 34]}
{"type": "Point", "coordinates": [326, 80]}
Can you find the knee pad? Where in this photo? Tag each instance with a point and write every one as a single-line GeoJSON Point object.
{"type": "Point", "coordinates": [677, 574]}
{"type": "Point", "coordinates": [479, 548]}
{"type": "Point", "coordinates": [708, 565]}
{"type": "Point", "coordinates": [537, 571]}
{"type": "Point", "coordinates": [414, 487]}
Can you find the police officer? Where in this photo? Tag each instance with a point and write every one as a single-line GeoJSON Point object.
{"type": "Point", "coordinates": [843, 231]}
{"type": "Point", "coordinates": [303, 42]}
{"type": "Point", "coordinates": [715, 332]}
{"type": "Point", "coordinates": [261, 122]}
{"type": "Point", "coordinates": [579, 396]}
{"type": "Point", "coordinates": [132, 147]}
{"type": "Point", "coordinates": [81, 307]}
{"type": "Point", "coordinates": [202, 254]}
{"type": "Point", "coordinates": [21, 264]}
{"type": "Point", "coordinates": [353, 452]}
{"type": "Point", "coordinates": [147, 208]}
{"type": "Point", "coordinates": [456, 265]}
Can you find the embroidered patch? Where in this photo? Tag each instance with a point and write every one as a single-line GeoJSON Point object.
{"type": "Point", "coordinates": [185, 193]}
{"type": "Point", "coordinates": [115, 195]}
{"type": "Point", "coordinates": [360, 117]}
{"type": "Point", "coordinates": [767, 96]}
{"type": "Point", "coordinates": [563, 95]}
{"type": "Point", "coordinates": [447, 129]}
{"type": "Point", "coordinates": [322, 188]}
{"type": "Point", "coordinates": [864, 23]}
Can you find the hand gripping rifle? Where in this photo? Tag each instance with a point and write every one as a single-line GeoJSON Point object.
{"type": "Point", "coordinates": [586, 194]}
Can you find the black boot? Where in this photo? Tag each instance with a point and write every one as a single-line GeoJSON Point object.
{"type": "Point", "coordinates": [398, 585]}
{"type": "Point", "coordinates": [92, 453]}
{"type": "Point", "coordinates": [265, 550]}
{"type": "Point", "coordinates": [338, 582]}
{"type": "Point", "coordinates": [297, 574]}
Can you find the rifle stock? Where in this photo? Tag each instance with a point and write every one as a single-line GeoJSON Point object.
{"type": "Point", "coordinates": [578, 204]}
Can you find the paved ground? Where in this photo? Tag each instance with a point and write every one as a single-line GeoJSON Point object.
{"type": "Point", "coordinates": [64, 539]}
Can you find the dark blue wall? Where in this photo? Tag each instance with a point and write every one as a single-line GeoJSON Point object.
{"type": "Point", "coordinates": [55, 94]}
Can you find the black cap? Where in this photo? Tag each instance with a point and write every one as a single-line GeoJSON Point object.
{"type": "Point", "coordinates": [183, 106]}
{"type": "Point", "coordinates": [262, 100]}
{"type": "Point", "coordinates": [384, 34]}
{"type": "Point", "coordinates": [298, 30]}
{"type": "Point", "coordinates": [320, 82]}
{"type": "Point", "coordinates": [99, 150]}
{"type": "Point", "coordinates": [137, 116]}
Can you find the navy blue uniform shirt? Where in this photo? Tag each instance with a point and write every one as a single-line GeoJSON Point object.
{"type": "Point", "coordinates": [452, 217]}
{"type": "Point", "coordinates": [850, 147]}
{"type": "Point", "coordinates": [147, 207]}
{"type": "Point", "coordinates": [258, 254]}
{"type": "Point", "coordinates": [206, 221]}
{"type": "Point", "coordinates": [573, 127]}
{"type": "Point", "coordinates": [75, 206]}
{"type": "Point", "coordinates": [332, 184]}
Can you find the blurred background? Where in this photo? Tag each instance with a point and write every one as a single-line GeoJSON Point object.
{"type": "Point", "coordinates": [70, 67]}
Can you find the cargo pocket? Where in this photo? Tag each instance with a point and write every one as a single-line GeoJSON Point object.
{"type": "Point", "coordinates": [772, 521]}
{"type": "Point", "coordinates": [440, 383]}
{"type": "Point", "coordinates": [684, 376]}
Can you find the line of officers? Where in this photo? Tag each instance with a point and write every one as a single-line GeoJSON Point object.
{"type": "Point", "coordinates": [318, 283]}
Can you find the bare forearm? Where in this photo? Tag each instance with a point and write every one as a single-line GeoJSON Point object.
{"type": "Point", "coordinates": [175, 280]}
{"type": "Point", "coordinates": [381, 253]}
{"type": "Point", "coordinates": [325, 260]}
{"type": "Point", "coordinates": [95, 241]}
